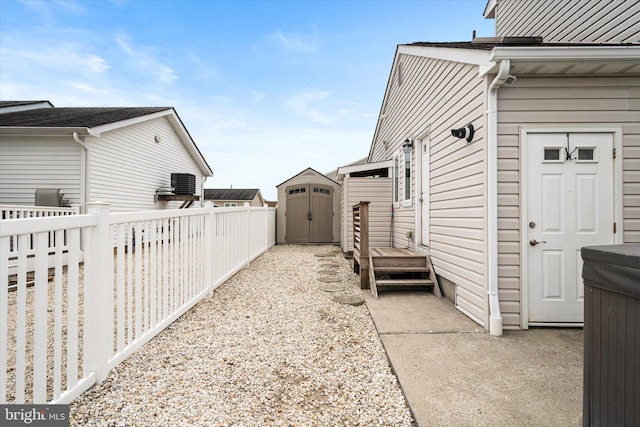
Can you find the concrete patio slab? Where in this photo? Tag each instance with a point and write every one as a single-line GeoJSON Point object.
{"type": "Point", "coordinates": [454, 373]}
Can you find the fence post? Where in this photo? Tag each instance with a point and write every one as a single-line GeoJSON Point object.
{"type": "Point", "coordinates": [248, 229]}
{"type": "Point", "coordinates": [266, 227]}
{"type": "Point", "coordinates": [210, 232]}
{"type": "Point", "coordinates": [98, 294]}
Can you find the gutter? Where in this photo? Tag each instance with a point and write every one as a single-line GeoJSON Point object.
{"type": "Point", "coordinates": [495, 317]}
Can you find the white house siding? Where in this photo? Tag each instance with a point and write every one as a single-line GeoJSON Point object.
{"type": "Point", "coordinates": [440, 95]}
{"type": "Point", "coordinates": [308, 176]}
{"type": "Point", "coordinates": [555, 102]}
{"type": "Point", "coordinates": [376, 191]}
{"type": "Point", "coordinates": [127, 165]}
{"type": "Point", "coordinates": [28, 163]}
{"type": "Point", "coordinates": [582, 21]}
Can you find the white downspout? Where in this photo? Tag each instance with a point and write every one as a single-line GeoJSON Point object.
{"type": "Point", "coordinates": [495, 318]}
{"type": "Point", "coordinates": [203, 201]}
{"type": "Point", "coordinates": [84, 194]}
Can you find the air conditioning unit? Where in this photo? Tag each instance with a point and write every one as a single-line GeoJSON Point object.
{"type": "Point", "coordinates": [49, 197]}
{"type": "Point", "coordinates": [183, 183]}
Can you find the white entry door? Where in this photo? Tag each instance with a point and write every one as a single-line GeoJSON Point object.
{"type": "Point", "coordinates": [425, 191]}
{"type": "Point", "coordinates": [570, 198]}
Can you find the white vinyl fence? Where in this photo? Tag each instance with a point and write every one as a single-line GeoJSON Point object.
{"type": "Point", "coordinates": [22, 212]}
{"type": "Point", "coordinates": [65, 322]}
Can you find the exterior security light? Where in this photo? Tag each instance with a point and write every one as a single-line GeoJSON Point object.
{"type": "Point", "coordinates": [465, 132]}
{"type": "Point", "coordinates": [407, 146]}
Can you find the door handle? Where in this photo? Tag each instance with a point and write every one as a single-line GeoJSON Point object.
{"type": "Point", "coordinates": [534, 242]}
{"type": "Point", "coordinates": [309, 217]}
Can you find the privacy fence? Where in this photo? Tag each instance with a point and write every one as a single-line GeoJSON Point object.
{"type": "Point", "coordinates": [80, 293]}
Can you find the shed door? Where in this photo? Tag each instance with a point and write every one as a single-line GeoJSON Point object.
{"type": "Point", "coordinates": [569, 205]}
{"type": "Point", "coordinates": [321, 209]}
{"type": "Point", "coordinates": [309, 214]}
{"type": "Point", "coordinates": [296, 215]}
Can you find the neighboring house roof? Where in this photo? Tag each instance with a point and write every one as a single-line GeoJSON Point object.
{"type": "Point", "coordinates": [93, 121]}
{"type": "Point", "coordinates": [4, 104]}
{"type": "Point", "coordinates": [230, 193]}
{"type": "Point", "coordinates": [74, 117]}
{"type": "Point", "coordinates": [11, 106]}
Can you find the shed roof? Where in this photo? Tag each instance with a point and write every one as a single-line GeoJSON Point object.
{"type": "Point", "coordinates": [230, 193]}
{"type": "Point", "coordinates": [74, 117]}
{"type": "Point", "coordinates": [306, 170]}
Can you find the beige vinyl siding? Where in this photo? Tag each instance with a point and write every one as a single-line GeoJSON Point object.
{"type": "Point", "coordinates": [580, 21]}
{"type": "Point", "coordinates": [308, 176]}
{"type": "Point", "coordinates": [28, 163]}
{"type": "Point", "coordinates": [441, 95]}
{"type": "Point", "coordinates": [553, 102]}
{"type": "Point", "coordinates": [376, 191]}
{"type": "Point", "coordinates": [127, 165]}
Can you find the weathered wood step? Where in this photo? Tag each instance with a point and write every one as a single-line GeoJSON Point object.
{"type": "Point", "coordinates": [418, 261]}
{"type": "Point", "coordinates": [404, 282]}
{"type": "Point", "coordinates": [395, 269]}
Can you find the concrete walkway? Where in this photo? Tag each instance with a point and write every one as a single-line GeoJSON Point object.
{"type": "Point", "coordinates": [453, 372]}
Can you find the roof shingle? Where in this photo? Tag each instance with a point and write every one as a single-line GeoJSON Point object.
{"type": "Point", "coordinates": [74, 117]}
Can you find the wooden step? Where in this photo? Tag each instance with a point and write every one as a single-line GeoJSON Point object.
{"type": "Point", "coordinates": [417, 261]}
{"type": "Point", "coordinates": [395, 269]}
{"type": "Point", "coordinates": [404, 282]}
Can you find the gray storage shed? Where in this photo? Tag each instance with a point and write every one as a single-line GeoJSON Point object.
{"type": "Point", "coordinates": [308, 209]}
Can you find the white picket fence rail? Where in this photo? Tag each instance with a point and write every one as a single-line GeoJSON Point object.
{"type": "Point", "coordinates": [68, 322]}
{"type": "Point", "coordinates": [22, 212]}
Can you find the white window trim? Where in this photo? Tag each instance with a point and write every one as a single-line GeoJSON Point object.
{"type": "Point", "coordinates": [396, 181]}
{"type": "Point", "coordinates": [405, 201]}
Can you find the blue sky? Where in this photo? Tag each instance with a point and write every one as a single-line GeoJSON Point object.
{"type": "Point", "coordinates": [266, 88]}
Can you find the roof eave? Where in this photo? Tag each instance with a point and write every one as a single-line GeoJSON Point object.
{"type": "Point", "coordinates": [46, 131]}
{"type": "Point", "coordinates": [490, 9]}
{"type": "Point", "coordinates": [455, 54]}
{"type": "Point", "coordinates": [343, 170]}
{"type": "Point", "coordinates": [566, 53]}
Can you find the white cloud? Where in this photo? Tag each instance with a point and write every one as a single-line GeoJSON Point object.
{"type": "Point", "coordinates": [306, 104]}
{"type": "Point", "coordinates": [296, 43]}
{"type": "Point", "coordinates": [142, 58]}
{"type": "Point", "coordinates": [257, 96]}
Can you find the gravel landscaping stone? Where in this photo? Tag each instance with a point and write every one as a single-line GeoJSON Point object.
{"type": "Point", "coordinates": [269, 348]}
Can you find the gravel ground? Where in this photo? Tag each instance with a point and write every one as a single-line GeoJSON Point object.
{"type": "Point", "coordinates": [270, 348]}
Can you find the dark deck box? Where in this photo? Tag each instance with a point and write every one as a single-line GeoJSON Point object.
{"type": "Point", "coordinates": [611, 335]}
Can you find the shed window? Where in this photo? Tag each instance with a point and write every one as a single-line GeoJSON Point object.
{"type": "Point", "coordinates": [230, 205]}
{"type": "Point", "coordinates": [298, 190]}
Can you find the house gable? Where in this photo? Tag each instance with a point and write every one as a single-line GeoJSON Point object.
{"type": "Point", "coordinates": [123, 156]}
{"type": "Point", "coordinates": [95, 121]}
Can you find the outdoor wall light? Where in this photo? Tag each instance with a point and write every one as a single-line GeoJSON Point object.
{"type": "Point", "coordinates": [407, 146]}
{"type": "Point", "coordinates": [465, 132]}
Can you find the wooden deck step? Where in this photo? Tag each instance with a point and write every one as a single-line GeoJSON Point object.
{"type": "Point", "coordinates": [391, 268]}
{"type": "Point", "coordinates": [395, 269]}
{"type": "Point", "coordinates": [404, 282]}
